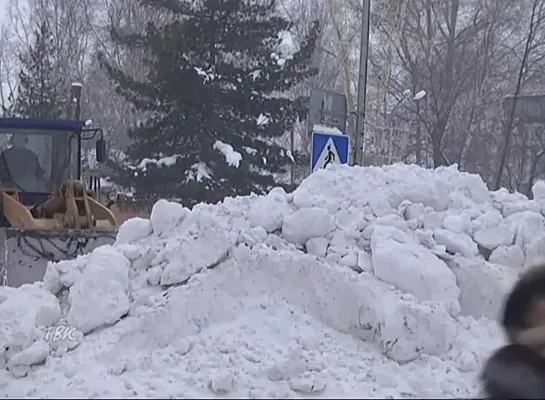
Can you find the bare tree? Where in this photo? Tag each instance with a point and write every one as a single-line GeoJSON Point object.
{"type": "Point", "coordinates": [8, 72]}
{"type": "Point", "coordinates": [537, 16]}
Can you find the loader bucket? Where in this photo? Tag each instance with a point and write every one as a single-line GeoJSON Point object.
{"type": "Point", "coordinates": [24, 254]}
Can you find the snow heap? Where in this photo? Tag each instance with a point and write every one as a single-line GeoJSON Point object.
{"type": "Point", "coordinates": [363, 283]}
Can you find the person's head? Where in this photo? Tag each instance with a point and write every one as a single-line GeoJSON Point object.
{"type": "Point", "coordinates": [19, 141]}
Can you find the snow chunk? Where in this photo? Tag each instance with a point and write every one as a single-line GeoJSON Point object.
{"type": "Point", "coordinates": [494, 236]}
{"type": "Point", "coordinates": [535, 253]}
{"type": "Point", "coordinates": [538, 190]}
{"type": "Point", "coordinates": [232, 157]}
{"type": "Point", "coordinates": [398, 260]}
{"type": "Point", "coordinates": [413, 329]}
{"type": "Point", "coordinates": [306, 224]}
{"type": "Point", "coordinates": [483, 286]}
{"type": "Point", "coordinates": [307, 385]}
{"type": "Point", "coordinates": [133, 230]}
{"type": "Point", "coordinates": [457, 223]}
{"type": "Point", "coordinates": [222, 382]}
{"type": "Point", "coordinates": [317, 246]}
{"type": "Point", "coordinates": [510, 256]}
{"type": "Point", "coordinates": [186, 256]}
{"type": "Point", "coordinates": [456, 243]}
{"type": "Point", "coordinates": [166, 215]}
{"type": "Point", "coordinates": [526, 224]}
{"type": "Point", "coordinates": [269, 211]}
{"type": "Point", "coordinates": [489, 218]}
{"type": "Point", "coordinates": [23, 312]}
{"type": "Point", "coordinates": [19, 364]}
{"type": "Point", "coordinates": [520, 206]}
{"type": "Point", "coordinates": [100, 296]}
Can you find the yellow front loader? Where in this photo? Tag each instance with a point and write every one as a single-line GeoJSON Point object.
{"type": "Point", "coordinates": [47, 212]}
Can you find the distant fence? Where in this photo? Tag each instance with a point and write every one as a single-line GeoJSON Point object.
{"type": "Point", "coordinates": [125, 210]}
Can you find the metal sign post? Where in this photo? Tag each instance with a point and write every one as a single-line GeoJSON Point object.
{"type": "Point", "coordinates": [328, 109]}
{"type": "Point", "coordinates": [327, 125]}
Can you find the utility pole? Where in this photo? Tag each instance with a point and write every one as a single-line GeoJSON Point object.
{"type": "Point", "coordinates": [362, 83]}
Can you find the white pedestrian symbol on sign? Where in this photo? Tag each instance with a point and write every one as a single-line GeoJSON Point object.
{"type": "Point", "coordinates": [328, 156]}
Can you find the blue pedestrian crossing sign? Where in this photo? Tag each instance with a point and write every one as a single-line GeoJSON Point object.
{"type": "Point", "coordinates": [328, 148]}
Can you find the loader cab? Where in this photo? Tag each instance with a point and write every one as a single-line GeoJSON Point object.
{"type": "Point", "coordinates": [37, 156]}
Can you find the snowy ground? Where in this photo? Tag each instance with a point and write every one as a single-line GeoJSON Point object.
{"type": "Point", "coordinates": [363, 283]}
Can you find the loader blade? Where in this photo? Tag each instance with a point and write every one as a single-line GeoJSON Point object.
{"type": "Point", "coordinates": [24, 254]}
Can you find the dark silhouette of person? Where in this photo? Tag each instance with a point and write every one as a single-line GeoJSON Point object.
{"type": "Point", "coordinates": [20, 166]}
{"type": "Point", "coordinates": [330, 156]}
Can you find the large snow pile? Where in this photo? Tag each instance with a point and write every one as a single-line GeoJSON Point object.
{"type": "Point", "coordinates": [363, 283]}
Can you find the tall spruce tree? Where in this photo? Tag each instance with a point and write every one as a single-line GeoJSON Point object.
{"type": "Point", "coordinates": [215, 77]}
{"type": "Point", "coordinates": [41, 92]}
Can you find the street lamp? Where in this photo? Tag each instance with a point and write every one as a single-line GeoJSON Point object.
{"type": "Point", "coordinates": [408, 93]}
{"type": "Point", "coordinates": [420, 95]}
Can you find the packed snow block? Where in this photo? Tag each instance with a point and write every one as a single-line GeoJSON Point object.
{"type": "Point", "coordinates": [392, 220]}
{"type": "Point", "coordinates": [535, 252]}
{"type": "Point", "coordinates": [538, 190]}
{"type": "Point", "coordinates": [425, 238]}
{"type": "Point", "coordinates": [456, 243]}
{"type": "Point", "coordinates": [184, 256]}
{"type": "Point", "coordinates": [460, 201]}
{"type": "Point", "coordinates": [542, 205]}
{"type": "Point", "coordinates": [489, 218]}
{"type": "Point", "coordinates": [511, 208]}
{"type": "Point", "coordinates": [491, 237]}
{"type": "Point", "coordinates": [307, 223]}
{"type": "Point", "coordinates": [23, 312]}
{"type": "Point", "coordinates": [140, 255]}
{"type": "Point", "coordinates": [254, 236]}
{"type": "Point", "coordinates": [328, 293]}
{"type": "Point", "coordinates": [412, 211]}
{"type": "Point", "coordinates": [269, 212]}
{"type": "Point", "coordinates": [341, 242]}
{"type": "Point", "coordinates": [433, 220]}
{"type": "Point", "coordinates": [350, 260]}
{"type": "Point", "coordinates": [460, 223]}
{"type": "Point", "coordinates": [526, 224]}
{"type": "Point", "coordinates": [354, 307]}
{"type": "Point", "coordinates": [99, 297]}
{"type": "Point", "coordinates": [400, 261]}
{"type": "Point", "coordinates": [52, 278]}
{"type": "Point", "coordinates": [433, 193]}
{"type": "Point", "coordinates": [166, 215]}
{"type": "Point", "coordinates": [317, 246]}
{"type": "Point", "coordinates": [19, 364]}
{"type": "Point", "coordinates": [483, 286]}
{"type": "Point", "coordinates": [351, 218]}
{"type": "Point", "coordinates": [510, 256]}
{"type": "Point", "coordinates": [380, 206]}
{"type": "Point", "coordinates": [411, 329]}
{"type": "Point", "coordinates": [365, 262]}
{"type": "Point", "coordinates": [470, 185]}
{"type": "Point", "coordinates": [503, 196]}
{"type": "Point", "coordinates": [133, 230]}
